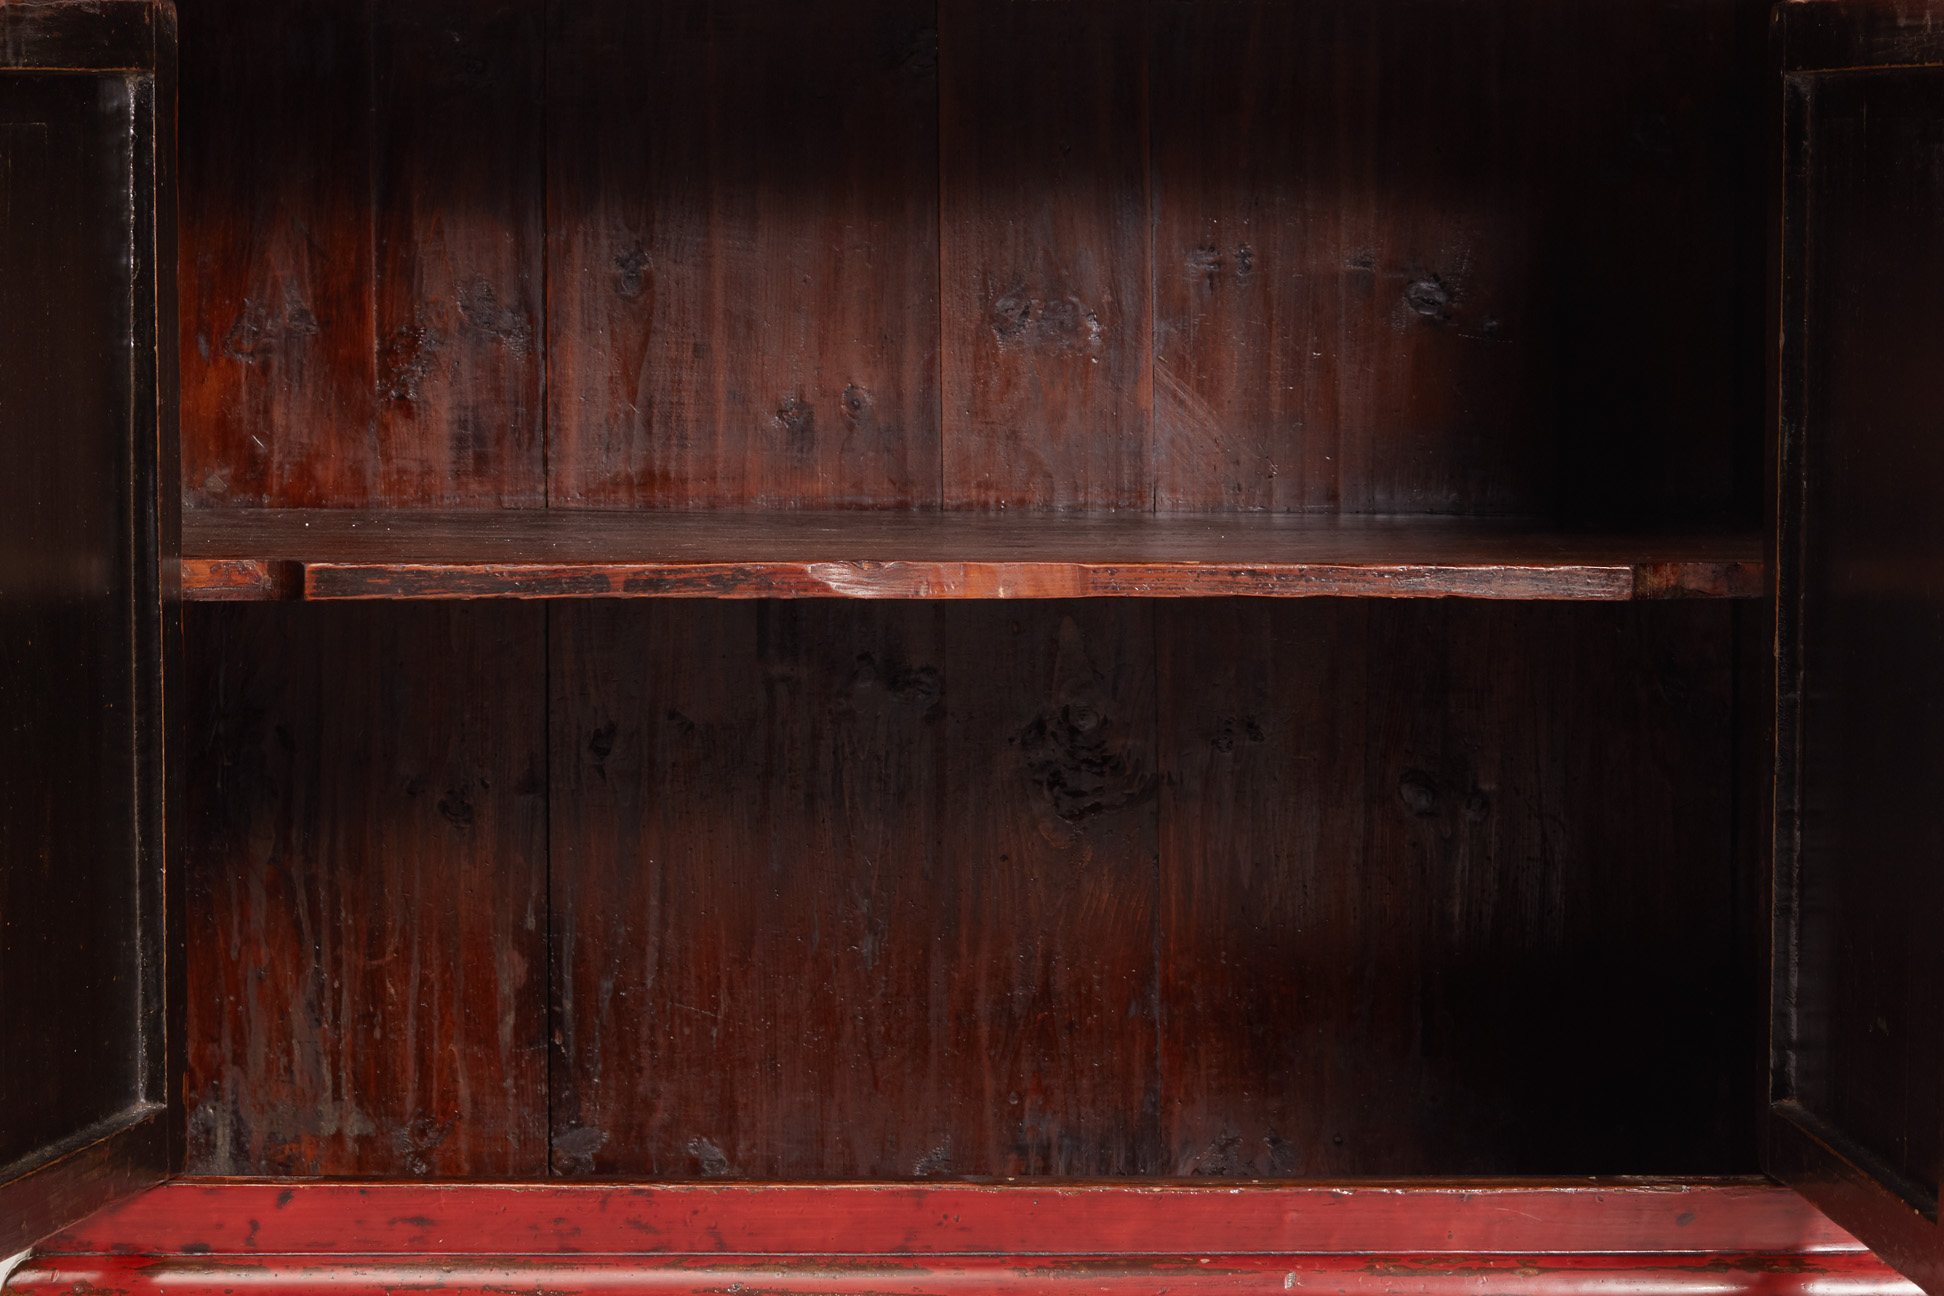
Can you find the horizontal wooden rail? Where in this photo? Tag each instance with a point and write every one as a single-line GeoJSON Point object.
{"type": "Point", "coordinates": [299, 1238]}
{"type": "Point", "coordinates": [1848, 1273]}
{"type": "Point", "coordinates": [327, 554]}
{"type": "Point", "coordinates": [250, 1217]}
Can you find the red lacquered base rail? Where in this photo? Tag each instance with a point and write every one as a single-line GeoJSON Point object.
{"type": "Point", "coordinates": [1847, 1273]}
{"type": "Point", "coordinates": [202, 1238]}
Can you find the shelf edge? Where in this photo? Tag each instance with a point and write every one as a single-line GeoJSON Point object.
{"type": "Point", "coordinates": [230, 579]}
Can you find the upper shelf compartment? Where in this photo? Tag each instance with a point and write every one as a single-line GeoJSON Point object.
{"type": "Point", "coordinates": [341, 554]}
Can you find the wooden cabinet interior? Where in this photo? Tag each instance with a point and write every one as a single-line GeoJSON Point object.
{"type": "Point", "coordinates": [878, 891]}
{"type": "Point", "coordinates": [919, 359]}
{"type": "Point", "coordinates": [1404, 257]}
{"type": "Point", "coordinates": [935, 298]}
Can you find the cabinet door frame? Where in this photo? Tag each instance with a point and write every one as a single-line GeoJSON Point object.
{"type": "Point", "coordinates": [71, 1173]}
{"type": "Point", "coordinates": [1813, 41]}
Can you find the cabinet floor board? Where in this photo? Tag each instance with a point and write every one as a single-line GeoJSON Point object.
{"type": "Point", "coordinates": [1545, 1237]}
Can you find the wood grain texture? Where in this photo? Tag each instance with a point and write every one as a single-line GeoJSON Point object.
{"type": "Point", "coordinates": [852, 893]}
{"type": "Point", "coordinates": [744, 225]}
{"type": "Point", "coordinates": [558, 554]}
{"type": "Point", "coordinates": [1474, 1217]}
{"type": "Point", "coordinates": [76, 640]}
{"type": "Point", "coordinates": [1045, 245]}
{"type": "Point", "coordinates": [1410, 256]}
{"type": "Point", "coordinates": [158, 458]}
{"type": "Point", "coordinates": [744, 823]}
{"type": "Point", "coordinates": [786, 269]}
{"type": "Point", "coordinates": [1828, 35]}
{"type": "Point", "coordinates": [878, 892]}
{"type": "Point", "coordinates": [241, 580]}
{"type": "Point", "coordinates": [92, 35]}
{"type": "Point", "coordinates": [1051, 806]}
{"type": "Point", "coordinates": [362, 253]}
{"type": "Point", "coordinates": [1562, 1275]}
{"type": "Point", "coordinates": [1829, 1169]}
{"type": "Point", "coordinates": [458, 299]}
{"type": "Point", "coordinates": [278, 370]}
{"type": "Point", "coordinates": [367, 892]}
{"type": "Point", "coordinates": [113, 1159]}
{"type": "Point", "coordinates": [970, 580]}
{"type": "Point", "coordinates": [1408, 901]}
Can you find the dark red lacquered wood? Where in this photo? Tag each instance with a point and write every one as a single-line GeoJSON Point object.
{"type": "Point", "coordinates": [215, 1218]}
{"type": "Point", "coordinates": [1857, 1060]}
{"type": "Point", "coordinates": [1831, 35]}
{"type": "Point", "coordinates": [364, 872]}
{"type": "Point", "coordinates": [86, 600]}
{"type": "Point", "coordinates": [344, 554]}
{"type": "Point", "coordinates": [1852, 1273]}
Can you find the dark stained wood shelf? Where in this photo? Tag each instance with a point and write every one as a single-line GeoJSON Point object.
{"type": "Point", "coordinates": [344, 554]}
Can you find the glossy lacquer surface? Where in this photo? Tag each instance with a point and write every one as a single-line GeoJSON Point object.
{"type": "Point", "coordinates": [1436, 1238]}
{"type": "Point", "coordinates": [80, 612]}
{"type": "Point", "coordinates": [1858, 1065]}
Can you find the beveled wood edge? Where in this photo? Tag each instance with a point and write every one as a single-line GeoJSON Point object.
{"type": "Point", "coordinates": [81, 35]}
{"type": "Point", "coordinates": [970, 580]}
{"type": "Point", "coordinates": [1812, 1158]}
{"type": "Point", "coordinates": [250, 579]}
{"type": "Point", "coordinates": [229, 580]}
{"type": "Point", "coordinates": [257, 1217]}
{"type": "Point", "coordinates": [1192, 1273]}
{"type": "Point", "coordinates": [167, 1069]}
{"type": "Point", "coordinates": [122, 1155]}
{"type": "Point", "coordinates": [1818, 36]}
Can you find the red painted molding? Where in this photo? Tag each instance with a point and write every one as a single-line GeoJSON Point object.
{"type": "Point", "coordinates": [211, 1218]}
{"type": "Point", "coordinates": [1848, 1273]}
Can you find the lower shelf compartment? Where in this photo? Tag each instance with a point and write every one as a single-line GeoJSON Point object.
{"type": "Point", "coordinates": [190, 1237]}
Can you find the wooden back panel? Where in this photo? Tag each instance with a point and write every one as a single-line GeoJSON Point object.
{"type": "Point", "coordinates": [1403, 256]}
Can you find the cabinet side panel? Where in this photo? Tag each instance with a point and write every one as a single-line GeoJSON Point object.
{"type": "Point", "coordinates": [743, 200]}
{"type": "Point", "coordinates": [1420, 257]}
{"type": "Point", "coordinates": [853, 892]}
{"type": "Point", "coordinates": [71, 964]}
{"type": "Point", "coordinates": [366, 891]}
{"type": "Point", "coordinates": [1866, 1056]}
{"type": "Point", "coordinates": [276, 299]}
{"type": "Point", "coordinates": [1046, 329]}
{"type": "Point", "coordinates": [458, 192]}
{"type": "Point", "coordinates": [1424, 864]}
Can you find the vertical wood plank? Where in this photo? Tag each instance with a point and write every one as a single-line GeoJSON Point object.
{"type": "Point", "coordinates": [1408, 905]}
{"type": "Point", "coordinates": [1046, 242]}
{"type": "Point", "coordinates": [1421, 257]}
{"type": "Point", "coordinates": [459, 194]}
{"type": "Point", "coordinates": [367, 891]}
{"type": "Point", "coordinates": [743, 826]}
{"type": "Point", "coordinates": [1754, 739]}
{"type": "Point", "coordinates": [1263, 913]}
{"type": "Point", "coordinates": [277, 366]}
{"type": "Point", "coordinates": [852, 892]}
{"type": "Point", "coordinates": [1051, 794]}
{"type": "Point", "coordinates": [744, 284]}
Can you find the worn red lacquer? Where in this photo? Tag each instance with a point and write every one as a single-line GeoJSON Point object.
{"type": "Point", "coordinates": [191, 1238]}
